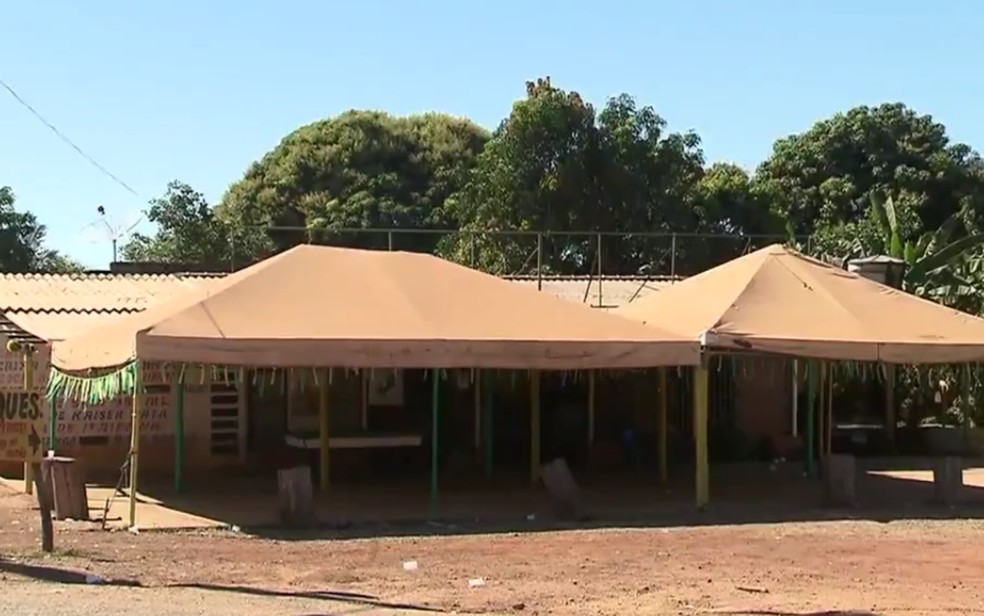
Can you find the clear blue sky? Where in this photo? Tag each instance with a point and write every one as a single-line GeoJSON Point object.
{"type": "Point", "coordinates": [196, 90]}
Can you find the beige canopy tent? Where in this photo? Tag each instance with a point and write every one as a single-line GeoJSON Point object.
{"type": "Point", "coordinates": [320, 307]}
{"type": "Point", "coordinates": [336, 307]}
{"type": "Point", "coordinates": [776, 300]}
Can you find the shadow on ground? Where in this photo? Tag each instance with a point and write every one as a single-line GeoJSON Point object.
{"type": "Point", "coordinates": [325, 595]}
{"type": "Point", "coordinates": [887, 490]}
{"type": "Point", "coordinates": [57, 575]}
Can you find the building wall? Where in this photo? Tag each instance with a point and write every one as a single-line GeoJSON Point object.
{"type": "Point", "coordinates": [214, 425]}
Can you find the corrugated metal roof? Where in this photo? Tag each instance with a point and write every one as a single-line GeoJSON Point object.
{"type": "Point", "coordinates": [53, 326]}
{"type": "Point", "coordinates": [611, 293]}
{"type": "Point", "coordinates": [89, 292]}
{"type": "Point", "coordinates": [56, 306]}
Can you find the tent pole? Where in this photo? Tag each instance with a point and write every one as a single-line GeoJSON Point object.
{"type": "Point", "coordinates": [534, 426]}
{"type": "Point", "coordinates": [477, 403]}
{"type": "Point", "coordinates": [890, 404]}
{"type": "Point", "coordinates": [52, 425]}
{"type": "Point", "coordinates": [700, 386]}
{"type": "Point", "coordinates": [364, 401]}
{"type": "Point", "coordinates": [822, 408]}
{"type": "Point", "coordinates": [179, 433]}
{"type": "Point", "coordinates": [591, 407]}
{"type": "Point", "coordinates": [324, 429]}
{"type": "Point", "coordinates": [663, 471]}
{"type": "Point", "coordinates": [811, 401]}
{"type": "Point", "coordinates": [795, 412]}
{"type": "Point", "coordinates": [830, 412]}
{"type": "Point", "coordinates": [487, 418]}
{"type": "Point", "coordinates": [435, 421]}
{"type": "Point", "coordinates": [137, 411]}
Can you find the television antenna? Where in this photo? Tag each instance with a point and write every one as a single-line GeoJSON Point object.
{"type": "Point", "coordinates": [102, 230]}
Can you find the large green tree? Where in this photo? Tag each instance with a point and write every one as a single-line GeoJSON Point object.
{"type": "Point", "coordinates": [555, 165]}
{"type": "Point", "coordinates": [360, 170]}
{"type": "Point", "coordinates": [22, 241]}
{"type": "Point", "coordinates": [188, 232]}
{"type": "Point", "coordinates": [827, 175]}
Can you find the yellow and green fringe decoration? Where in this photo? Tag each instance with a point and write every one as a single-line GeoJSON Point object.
{"type": "Point", "coordinates": [93, 390]}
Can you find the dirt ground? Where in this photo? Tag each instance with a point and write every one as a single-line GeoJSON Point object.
{"type": "Point", "coordinates": [848, 567]}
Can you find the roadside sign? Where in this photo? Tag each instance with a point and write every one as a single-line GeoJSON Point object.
{"type": "Point", "coordinates": [21, 426]}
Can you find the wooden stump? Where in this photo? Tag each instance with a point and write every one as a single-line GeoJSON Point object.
{"type": "Point", "coordinates": [296, 497]}
{"type": "Point", "coordinates": [839, 475]}
{"type": "Point", "coordinates": [948, 480]}
{"type": "Point", "coordinates": [66, 482]}
{"type": "Point", "coordinates": [560, 485]}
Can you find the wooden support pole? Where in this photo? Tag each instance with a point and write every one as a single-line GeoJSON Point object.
{"type": "Point", "coordinates": [703, 476]}
{"type": "Point", "coordinates": [663, 426]}
{"type": "Point", "coordinates": [28, 478]}
{"type": "Point", "coordinates": [591, 407]}
{"type": "Point", "coordinates": [534, 427]}
{"type": "Point", "coordinates": [890, 420]}
{"type": "Point", "coordinates": [32, 469]}
{"type": "Point", "coordinates": [324, 429]}
{"type": "Point", "coordinates": [137, 411]}
{"type": "Point", "coordinates": [179, 431]}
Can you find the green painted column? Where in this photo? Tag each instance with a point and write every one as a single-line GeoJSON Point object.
{"type": "Point", "coordinates": [811, 403]}
{"type": "Point", "coordinates": [435, 423]}
{"type": "Point", "coordinates": [53, 424]}
{"type": "Point", "coordinates": [179, 434]}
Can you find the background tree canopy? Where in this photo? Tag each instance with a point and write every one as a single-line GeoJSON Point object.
{"type": "Point", "coordinates": [557, 164]}
{"type": "Point", "coordinates": [22, 241]}
{"type": "Point", "coordinates": [361, 170]}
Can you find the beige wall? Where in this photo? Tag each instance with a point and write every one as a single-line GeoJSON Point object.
{"type": "Point", "coordinates": [763, 396]}
{"type": "Point", "coordinates": [100, 434]}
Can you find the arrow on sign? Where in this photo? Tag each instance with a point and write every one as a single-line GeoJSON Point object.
{"type": "Point", "coordinates": [34, 440]}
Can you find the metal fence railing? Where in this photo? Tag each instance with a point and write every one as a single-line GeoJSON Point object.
{"type": "Point", "coordinates": [542, 253]}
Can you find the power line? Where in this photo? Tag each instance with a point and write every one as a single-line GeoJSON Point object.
{"type": "Point", "coordinates": [67, 141]}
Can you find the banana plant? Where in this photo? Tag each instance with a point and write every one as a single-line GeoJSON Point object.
{"type": "Point", "coordinates": [937, 265]}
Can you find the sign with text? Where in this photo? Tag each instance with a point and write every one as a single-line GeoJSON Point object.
{"type": "Point", "coordinates": [110, 422]}
{"type": "Point", "coordinates": [21, 426]}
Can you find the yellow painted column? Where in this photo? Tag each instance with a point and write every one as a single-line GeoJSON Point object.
{"type": "Point", "coordinates": [324, 414]}
{"type": "Point", "coordinates": [591, 407]}
{"type": "Point", "coordinates": [534, 427]}
{"type": "Point", "coordinates": [137, 411]}
{"type": "Point", "coordinates": [703, 476]}
{"type": "Point", "coordinates": [663, 470]}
